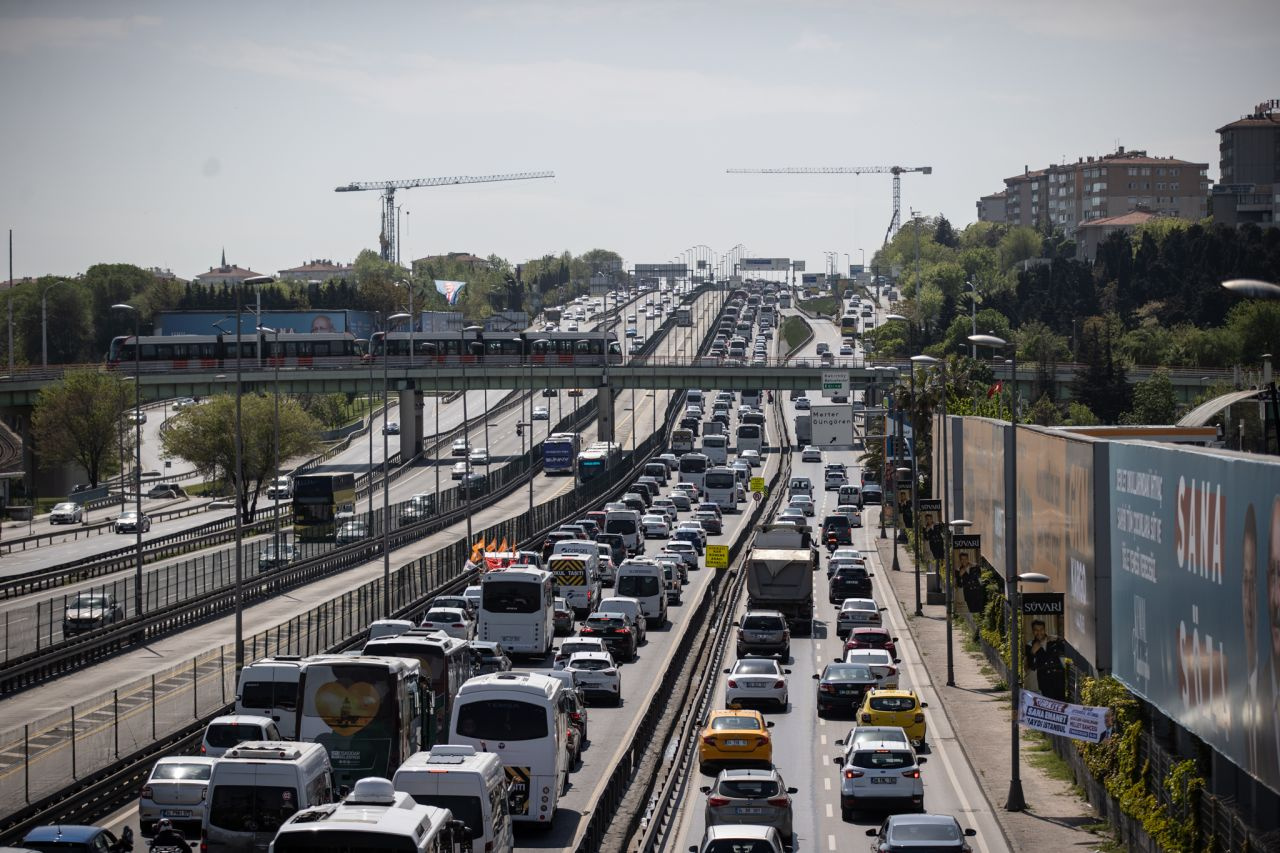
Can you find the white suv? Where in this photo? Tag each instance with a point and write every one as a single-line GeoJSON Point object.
{"type": "Point", "coordinates": [880, 775]}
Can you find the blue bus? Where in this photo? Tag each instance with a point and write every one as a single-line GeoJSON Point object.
{"type": "Point", "coordinates": [559, 452]}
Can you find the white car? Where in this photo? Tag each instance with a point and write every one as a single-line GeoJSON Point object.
{"type": "Point", "coordinates": [572, 645]}
{"type": "Point", "coordinates": [473, 594]}
{"type": "Point", "coordinates": [175, 790]}
{"type": "Point", "coordinates": [810, 453]}
{"type": "Point", "coordinates": [755, 681]}
{"type": "Point", "coordinates": [664, 558]}
{"type": "Point", "coordinates": [67, 512]}
{"type": "Point", "coordinates": [540, 413]}
{"type": "Point", "coordinates": [479, 456]}
{"type": "Point", "coordinates": [751, 457]}
{"type": "Point", "coordinates": [834, 480]}
{"type": "Point", "coordinates": [460, 447]}
{"type": "Point", "coordinates": [655, 526]}
{"type": "Point", "coordinates": [687, 551]}
{"type": "Point", "coordinates": [674, 582]}
{"type": "Point", "coordinates": [451, 621]}
{"type": "Point", "coordinates": [884, 665]}
{"type": "Point", "coordinates": [879, 775]}
{"type": "Point", "coordinates": [130, 522]}
{"type": "Point", "coordinates": [459, 470]}
{"type": "Point", "coordinates": [858, 613]}
{"type": "Point", "coordinates": [683, 500]}
{"type": "Point", "coordinates": [667, 506]}
{"type": "Point", "coordinates": [802, 404]}
{"type": "Point", "coordinates": [596, 675]}
{"type": "Point", "coordinates": [852, 513]}
{"type": "Point", "coordinates": [802, 502]}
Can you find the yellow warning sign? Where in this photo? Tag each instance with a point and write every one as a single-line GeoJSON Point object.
{"type": "Point", "coordinates": [717, 556]}
{"type": "Point", "coordinates": [757, 484]}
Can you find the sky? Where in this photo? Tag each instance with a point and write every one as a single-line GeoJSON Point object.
{"type": "Point", "coordinates": [161, 133]}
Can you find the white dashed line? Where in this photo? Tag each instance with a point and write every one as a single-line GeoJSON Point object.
{"type": "Point", "coordinates": [831, 842]}
{"type": "Point", "coordinates": [826, 782]}
{"type": "Point", "coordinates": [823, 739]}
{"type": "Point", "coordinates": [830, 813]}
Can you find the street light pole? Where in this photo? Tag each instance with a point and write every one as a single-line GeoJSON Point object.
{"type": "Point", "coordinates": [275, 480]}
{"type": "Point", "coordinates": [137, 450]}
{"type": "Point", "coordinates": [386, 479]}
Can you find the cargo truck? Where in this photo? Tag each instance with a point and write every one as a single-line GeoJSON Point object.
{"type": "Point", "coordinates": [782, 580]}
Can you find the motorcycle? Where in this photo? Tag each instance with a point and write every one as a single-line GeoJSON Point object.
{"type": "Point", "coordinates": [832, 543]}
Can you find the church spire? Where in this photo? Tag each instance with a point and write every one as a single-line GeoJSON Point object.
{"type": "Point", "coordinates": [224, 258]}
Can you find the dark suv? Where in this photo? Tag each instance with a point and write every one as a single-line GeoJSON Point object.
{"type": "Point", "coordinates": [850, 582]}
{"type": "Point", "coordinates": [839, 524]}
{"type": "Point", "coordinates": [764, 632]}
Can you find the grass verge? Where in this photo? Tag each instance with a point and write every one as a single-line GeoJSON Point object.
{"type": "Point", "coordinates": [794, 330]}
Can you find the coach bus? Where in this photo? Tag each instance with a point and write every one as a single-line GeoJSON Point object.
{"type": "Point", "coordinates": [559, 451]}
{"type": "Point", "coordinates": [517, 609]}
{"type": "Point", "coordinates": [721, 487]}
{"type": "Point", "coordinates": [317, 501]}
{"type": "Point", "coordinates": [522, 717]}
{"type": "Point", "coordinates": [693, 469]}
{"type": "Point", "coordinates": [445, 665]}
{"type": "Point", "coordinates": [849, 326]}
{"type": "Point", "coordinates": [365, 711]}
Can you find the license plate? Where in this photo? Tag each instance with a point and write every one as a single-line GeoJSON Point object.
{"type": "Point", "coordinates": [175, 813]}
{"type": "Point", "coordinates": [883, 780]}
{"type": "Point", "coordinates": [750, 810]}
{"type": "Point", "coordinates": [508, 638]}
{"type": "Point", "coordinates": [735, 742]}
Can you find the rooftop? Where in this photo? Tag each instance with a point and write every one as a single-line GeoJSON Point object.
{"type": "Point", "coordinates": [1133, 217]}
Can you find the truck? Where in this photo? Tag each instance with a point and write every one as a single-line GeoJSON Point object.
{"type": "Point", "coordinates": [804, 428]}
{"type": "Point", "coordinates": [684, 316]}
{"type": "Point", "coordinates": [782, 579]}
{"type": "Point", "coordinates": [552, 315]}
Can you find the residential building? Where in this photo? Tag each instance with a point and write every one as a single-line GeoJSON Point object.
{"type": "Point", "coordinates": [225, 274]}
{"type": "Point", "coordinates": [1249, 162]}
{"type": "Point", "coordinates": [1065, 195]}
{"type": "Point", "coordinates": [1092, 233]}
{"type": "Point", "coordinates": [993, 208]}
{"type": "Point", "coordinates": [317, 270]}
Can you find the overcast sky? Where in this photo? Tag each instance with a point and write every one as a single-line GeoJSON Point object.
{"type": "Point", "coordinates": [158, 133]}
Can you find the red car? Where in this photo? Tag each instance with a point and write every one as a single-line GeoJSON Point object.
{"type": "Point", "coordinates": [871, 638]}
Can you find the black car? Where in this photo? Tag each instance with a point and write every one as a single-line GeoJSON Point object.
{"type": "Point", "coordinates": [616, 631]}
{"type": "Point", "coordinates": [691, 423]}
{"type": "Point", "coordinates": [593, 529]}
{"type": "Point", "coordinates": [558, 535]}
{"type": "Point", "coordinates": [842, 687]}
{"type": "Point", "coordinates": [839, 524]}
{"type": "Point", "coordinates": [850, 582]}
{"type": "Point", "coordinates": [710, 522]}
{"type": "Point", "coordinates": [617, 546]}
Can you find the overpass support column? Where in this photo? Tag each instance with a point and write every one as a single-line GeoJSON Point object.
{"type": "Point", "coordinates": [410, 423]}
{"type": "Point", "coordinates": [604, 413]}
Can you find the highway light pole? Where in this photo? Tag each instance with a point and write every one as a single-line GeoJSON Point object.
{"type": "Point", "coordinates": [137, 449]}
{"type": "Point", "coordinates": [1016, 802]}
{"type": "Point", "coordinates": [386, 479]}
{"type": "Point", "coordinates": [275, 478]}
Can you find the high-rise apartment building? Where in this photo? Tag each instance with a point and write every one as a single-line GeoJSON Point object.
{"type": "Point", "coordinates": [1249, 160]}
{"type": "Point", "coordinates": [1065, 195]}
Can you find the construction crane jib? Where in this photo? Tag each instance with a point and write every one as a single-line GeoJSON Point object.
{"type": "Point", "coordinates": [896, 171]}
{"type": "Point", "coordinates": [389, 237]}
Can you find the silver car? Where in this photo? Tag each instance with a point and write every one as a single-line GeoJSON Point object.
{"type": "Point", "coordinates": [756, 681]}
{"type": "Point", "coordinates": [857, 613]}
{"type": "Point", "coordinates": [175, 790]}
{"type": "Point", "coordinates": [67, 512]}
{"type": "Point", "coordinates": [758, 797]}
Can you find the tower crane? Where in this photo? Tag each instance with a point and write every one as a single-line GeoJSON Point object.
{"type": "Point", "coordinates": [388, 238]}
{"type": "Point", "coordinates": [896, 171]}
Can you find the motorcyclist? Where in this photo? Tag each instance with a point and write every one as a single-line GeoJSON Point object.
{"type": "Point", "coordinates": [168, 838]}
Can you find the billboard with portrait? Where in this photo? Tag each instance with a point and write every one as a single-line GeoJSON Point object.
{"type": "Point", "coordinates": [1195, 545]}
{"type": "Point", "coordinates": [966, 558]}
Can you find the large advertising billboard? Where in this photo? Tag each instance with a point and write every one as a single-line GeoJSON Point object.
{"type": "Point", "coordinates": [359, 323]}
{"type": "Point", "coordinates": [982, 469]}
{"type": "Point", "coordinates": [1195, 550]}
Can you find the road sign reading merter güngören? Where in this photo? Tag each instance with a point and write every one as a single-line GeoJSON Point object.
{"type": "Point", "coordinates": [835, 383]}
{"type": "Point", "coordinates": [831, 426]}
{"type": "Point", "coordinates": [717, 556]}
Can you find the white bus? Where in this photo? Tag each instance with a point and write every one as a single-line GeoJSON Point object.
{"type": "Point", "coordinates": [722, 488]}
{"type": "Point", "coordinates": [716, 448]}
{"type": "Point", "coordinates": [693, 469]}
{"type": "Point", "coordinates": [373, 817]}
{"type": "Point", "coordinates": [521, 717]}
{"type": "Point", "coordinates": [517, 609]}
{"type": "Point", "coordinates": [750, 437]}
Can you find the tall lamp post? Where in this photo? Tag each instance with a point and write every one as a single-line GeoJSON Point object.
{"type": "Point", "coordinates": [1016, 802]}
{"type": "Point", "coordinates": [44, 322]}
{"type": "Point", "coordinates": [386, 479]}
{"type": "Point", "coordinates": [276, 358]}
{"type": "Point", "coordinates": [137, 448]}
{"type": "Point", "coordinates": [953, 527]}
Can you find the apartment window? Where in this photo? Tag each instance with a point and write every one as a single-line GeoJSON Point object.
{"type": "Point", "coordinates": [1173, 173]}
{"type": "Point", "coordinates": [1146, 170]}
{"type": "Point", "coordinates": [1095, 202]}
{"type": "Point", "coordinates": [1175, 185]}
{"type": "Point", "coordinates": [1160, 171]}
{"type": "Point", "coordinates": [1204, 173]}
{"type": "Point", "coordinates": [1160, 184]}
{"type": "Point", "coordinates": [1133, 171]}
{"type": "Point", "coordinates": [1147, 185]}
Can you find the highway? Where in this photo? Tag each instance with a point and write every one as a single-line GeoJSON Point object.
{"type": "Point", "coordinates": [130, 671]}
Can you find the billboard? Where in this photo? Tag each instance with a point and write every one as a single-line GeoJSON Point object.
{"type": "Point", "coordinates": [813, 278]}
{"type": "Point", "coordinates": [450, 290]}
{"type": "Point", "coordinates": [982, 482]}
{"type": "Point", "coordinates": [1195, 545]}
{"type": "Point", "coordinates": [668, 270]}
{"type": "Point", "coordinates": [764, 264]}
{"type": "Point", "coordinates": [359, 323]}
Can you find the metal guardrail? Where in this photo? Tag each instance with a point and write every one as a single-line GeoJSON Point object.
{"type": "Point", "coordinates": [74, 531]}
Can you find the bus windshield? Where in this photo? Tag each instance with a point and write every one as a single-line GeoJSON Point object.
{"type": "Point", "coordinates": [720, 479]}
{"type": "Point", "coordinates": [511, 597]}
{"type": "Point", "coordinates": [692, 464]}
{"type": "Point", "coordinates": [502, 720]}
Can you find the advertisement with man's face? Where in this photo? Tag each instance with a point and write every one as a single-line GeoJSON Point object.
{"type": "Point", "coordinates": [1043, 649]}
{"type": "Point", "coordinates": [966, 556]}
{"type": "Point", "coordinates": [1195, 549]}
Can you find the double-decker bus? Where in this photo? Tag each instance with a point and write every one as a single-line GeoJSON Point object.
{"type": "Point", "coordinates": [317, 501]}
{"type": "Point", "coordinates": [849, 326]}
{"type": "Point", "coordinates": [517, 609]}
{"type": "Point", "coordinates": [693, 469]}
{"type": "Point", "coordinates": [598, 460]}
{"type": "Point", "coordinates": [522, 718]}
{"type": "Point", "coordinates": [446, 664]}
{"type": "Point", "coordinates": [559, 451]}
{"type": "Point", "coordinates": [365, 711]}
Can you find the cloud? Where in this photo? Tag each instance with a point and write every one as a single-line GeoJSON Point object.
{"type": "Point", "coordinates": [26, 35]}
{"type": "Point", "coordinates": [429, 85]}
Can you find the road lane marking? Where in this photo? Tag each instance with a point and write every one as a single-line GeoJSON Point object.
{"type": "Point", "coordinates": [830, 813]}
{"type": "Point", "coordinates": [831, 842]}
{"type": "Point", "coordinates": [823, 739]}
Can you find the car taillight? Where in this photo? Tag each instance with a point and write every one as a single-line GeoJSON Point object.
{"type": "Point", "coordinates": [826, 688]}
{"type": "Point", "coordinates": [778, 685]}
{"type": "Point", "coordinates": [624, 630]}
{"type": "Point", "coordinates": [762, 740]}
{"type": "Point", "coordinates": [576, 716]}
{"type": "Point", "coordinates": [587, 630]}
{"type": "Point", "coordinates": [202, 749]}
{"type": "Point", "coordinates": [786, 634]}
{"type": "Point", "coordinates": [146, 792]}
{"type": "Point", "coordinates": [779, 801]}
{"type": "Point", "coordinates": [919, 718]}
{"type": "Point", "coordinates": [709, 740]}
{"type": "Point", "coordinates": [732, 683]}
{"type": "Point", "coordinates": [911, 774]}
{"type": "Point", "coordinates": [716, 802]}
{"type": "Point", "coordinates": [853, 774]}
{"type": "Point", "coordinates": [893, 670]}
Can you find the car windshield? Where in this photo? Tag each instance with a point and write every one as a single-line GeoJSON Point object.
{"type": "Point", "coordinates": [196, 771]}
{"type": "Point", "coordinates": [755, 667]}
{"type": "Point", "coordinates": [883, 759]}
{"type": "Point", "coordinates": [892, 703]}
{"type": "Point", "coordinates": [227, 735]}
{"type": "Point", "coordinates": [590, 664]}
{"type": "Point", "coordinates": [931, 831]}
{"type": "Point", "coordinates": [749, 789]}
{"type": "Point", "coordinates": [762, 623]}
{"type": "Point", "coordinates": [848, 672]}
{"type": "Point", "coordinates": [735, 724]}
{"type": "Point", "coordinates": [82, 601]}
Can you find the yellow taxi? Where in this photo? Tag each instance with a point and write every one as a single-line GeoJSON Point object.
{"type": "Point", "coordinates": [901, 708]}
{"type": "Point", "coordinates": [734, 738]}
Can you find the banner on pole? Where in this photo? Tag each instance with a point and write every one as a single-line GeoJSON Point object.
{"type": "Point", "coordinates": [1079, 722]}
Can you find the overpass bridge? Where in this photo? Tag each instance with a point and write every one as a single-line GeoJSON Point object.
{"type": "Point", "coordinates": [22, 388]}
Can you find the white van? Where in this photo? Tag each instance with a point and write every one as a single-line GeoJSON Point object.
{"type": "Point", "coordinates": [256, 787]}
{"type": "Point", "coordinates": [800, 486]}
{"type": "Point", "coordinates": [575, 567]}
{"type": "Point", "coordinates": [716, 449]}
{"type": "Point", "coordinates": [625, 523]}
{"type": "Point", "coordinates": [269, 688]}
{"type": "Point", "coordinates": [224, 733]}
{"type": "Point", "coordinates": [468, 783]}
{"type": "Point", "coordinates": [644, 581]}
{"type": "Point", "coordinates": [850, 494]}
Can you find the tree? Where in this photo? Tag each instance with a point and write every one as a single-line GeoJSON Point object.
{"type": "Point", "coordinates": [1154, 401]}
{"type": "Point", "coordinates": [1078, 414]}
{"type": "Point", "coordinates": [70, 327]}
{"type": "Point", "coordinates": [80, 420]}
{"type": "Point", "coordinates": [1101, 379]}
{"type": "Point", "coordinates": [203, 435]}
